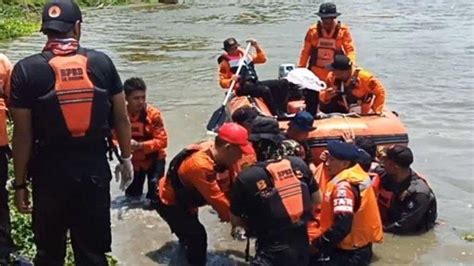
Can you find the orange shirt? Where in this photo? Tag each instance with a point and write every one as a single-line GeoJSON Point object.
{"type": "Point", "coordinates": [148, 129]}
{"type": "Point", "coordinates": [343, 42]}
{"type": "Point", "coordinates": [366, 84]}
{"type": "Point", "coordinates": [5, 72]}
{"type": "Point", "coordinates": [197, 171]}
{"type": "Point", "coordinates": [225, 73]}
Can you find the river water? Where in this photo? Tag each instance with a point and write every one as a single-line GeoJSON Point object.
{"type": "Point", "coordinates": [421, 50]}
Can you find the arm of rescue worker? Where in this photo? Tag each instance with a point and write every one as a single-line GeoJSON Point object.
{"type": "Point", "coordinates": [376, 88]}
{"type": "Point", "coordinates": [348, 44]}
{"type": "Point", "coordinates": [121, 121]}
{"type": "Point", "coordinates": [22, 100]}
{"type": "Point", "coordinates": [5, 82]}
{"type": "Point", "coordinates": [225, 75]}
{"type": "Point", "coordinates": [238, 204]}
{"type": "Point", "coordinates": [203, 178]}
{"type": "Point", "coordinates": [343, 198]}
{"type": "Point", "coordinates": [414, 209]}
{"type": "Point", "coordinates": [306, 50]}
{"type": "Point", "coordinates": [22, 142]}
{"type": "Point", "coordinates": [325, 96]}
{"type": "Point", "coordinates": [160, 138]}
{"type": "Point", "coordinates": [260, 56]}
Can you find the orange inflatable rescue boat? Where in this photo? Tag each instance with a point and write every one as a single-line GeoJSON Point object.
{"type": "Point", "coordinates": [386, 129]}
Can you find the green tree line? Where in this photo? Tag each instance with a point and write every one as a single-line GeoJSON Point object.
{"type": "Point", "coordinates": [22, 17]}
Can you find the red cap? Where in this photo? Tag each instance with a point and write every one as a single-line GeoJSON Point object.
{"type": "Point", "coordinates": [234, 133]}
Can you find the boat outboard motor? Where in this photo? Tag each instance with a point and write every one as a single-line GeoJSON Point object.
{"type": "Point", "coordinates": [284, 69]}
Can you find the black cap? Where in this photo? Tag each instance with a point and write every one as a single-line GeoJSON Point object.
{"type": "Point", "coordinates": [341, 62]}
{"type": "Point", "coordinates": [328, 10]}
{"type": "Point", "coordinates": [229, 43]}
{"type": "Point", "coordinates": [266, 128]}
{"type": "Point", "coordinates": [244, 114]}
{"type": "Point", "coordinates": [401, 155]}
{"type": "Point", "coordinates": [60, 15]}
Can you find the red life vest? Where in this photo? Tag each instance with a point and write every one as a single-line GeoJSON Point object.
{"type": "Point", "coordinates": [75, 110]}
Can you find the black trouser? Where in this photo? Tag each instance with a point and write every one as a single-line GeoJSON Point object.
{"type": "Point", "coordinates": [71, 191]}
{"type": "Point", "coordinates": [259, 89]}
{"type": "Point", "coordinates": [6, 242]}
{"type": "Point", "coordinates": [283, 92]}
{"type": "Point", "coordinates": [289, 248]}
{"type": "Point", "coordinates": [189, 230]}
{"type": "Point", "coordinates": [335, 257]}
{"type": "Point", "coordinates": [156, 171]}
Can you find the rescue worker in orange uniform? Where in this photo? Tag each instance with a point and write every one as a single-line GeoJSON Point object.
{"type": "Point", "coordinates": [149, 140]}
{"type": "Point", "coordinates": [406, 201]}
{"type": "Point", "coordinates": [273, 199]}
{"type": "Point", "coordinates": [325, 40]}
{"type": "Point", "coordinates": [247, 80]}
{"type": "Point", "coordinates": [6, 242]}
{"type": "Point", "coordinates": [191, 182]}
{"type": "Point", "coordinates": [349, 220]}
{"type": "Point", "coordinates": [351, 89]}
{"type": "Point", "coordinates": [64, 102]}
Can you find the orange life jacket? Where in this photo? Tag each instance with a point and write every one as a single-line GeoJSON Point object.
{"type": "Point", "coordinates": [284, 203]}
{"type": "Point", "coordinates": [327, 47]}
{"type": "Point", "coordinates": [290, 191]}
{"type": "Point", "coordinates": [75, 111]}
{"type": "Point", "coordinates": [366, 225]}
{"type": "Point", "coordinates": [140, 134]}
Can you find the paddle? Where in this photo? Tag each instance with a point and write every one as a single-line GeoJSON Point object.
{"type": "Point", "coordinates": [218, 117]}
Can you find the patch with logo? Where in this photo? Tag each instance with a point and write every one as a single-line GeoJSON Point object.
{"type": "Point", "coordinates": [54, 11]}
{"type": "Point", "coordinates": [343, 205]}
